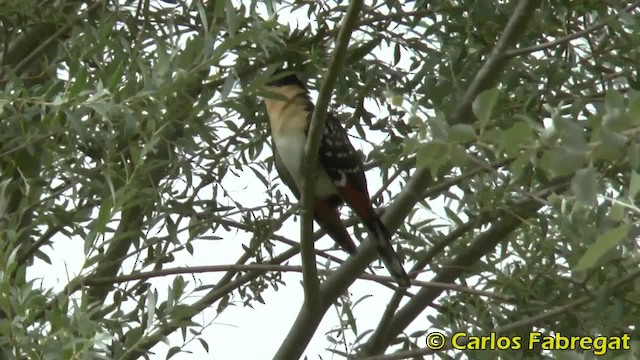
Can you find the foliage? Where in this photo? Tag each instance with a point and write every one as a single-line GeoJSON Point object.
{"type": "Point", "coordinates": [505, 135]}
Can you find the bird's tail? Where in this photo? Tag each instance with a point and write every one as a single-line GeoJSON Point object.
{"type": "Point", "coordinates": [328, 218]}
{"type": "Point", "coordinates": [389, 257]}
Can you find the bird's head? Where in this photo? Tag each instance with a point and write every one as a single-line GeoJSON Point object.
{"type": "Point", "coordinates": [287, 89]}
{"type": "Point", "coordinates": [286, 77]}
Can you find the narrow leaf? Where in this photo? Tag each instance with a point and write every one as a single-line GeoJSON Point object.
{"type": "Point", "coordinates": [634, 184]}
{"type": "Point", "coordinates": [483, 105]}
{"type": "Point", "coordinates": [461, 133]}
{"type": "Point", "coordinates": [604, 243]}
{"type": "Point", "coordinates": [585, 185]}
{"type": "Point", "coordinates": [152, 297]}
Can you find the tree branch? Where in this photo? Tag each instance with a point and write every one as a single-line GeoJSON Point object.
{"type": "Point", "coordinates": [295, 343]}
{"type": "Point", "coordinates": [485, 242]}
{"type": "Point", "coordinates": [222, 288]}
{"type": "Point", "coordinates": [524, 323]}
{"type": "Point", "coordinates": [487, 76]}
{"type": "Point", "coordinates": [311, 153]}
{"type": "Point", "coordinates": [226, 285]}
{"type": "Point", "coordinates": [133, 216]}
{"type": "Point", "coordinates": [439, 246]}
{"type": "Point", "coordinates": [262, 268]}
{"type": "Point", "coordinates": [495, 63]}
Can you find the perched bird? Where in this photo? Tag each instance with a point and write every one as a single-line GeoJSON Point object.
{"type": "Point", "coordinates": [340, 175]}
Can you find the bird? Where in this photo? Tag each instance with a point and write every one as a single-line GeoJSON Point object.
{"type": "Point", "coordinates": [340, 173]}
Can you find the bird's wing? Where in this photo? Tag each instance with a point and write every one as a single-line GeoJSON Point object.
{"type": "Point", "coordinates": [344, 166]}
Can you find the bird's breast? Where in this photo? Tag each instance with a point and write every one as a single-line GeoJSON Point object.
{"type": "Point", "coordinates": [290, 147]}
{"type": "Point", "coordinates": [291, 150]}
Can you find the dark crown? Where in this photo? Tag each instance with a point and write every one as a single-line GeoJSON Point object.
{"type": "Point", "coordinates": [290, 79]}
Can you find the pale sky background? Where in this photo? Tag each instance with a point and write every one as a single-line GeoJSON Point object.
{"type": "Point", "coordinates": [244, 332]}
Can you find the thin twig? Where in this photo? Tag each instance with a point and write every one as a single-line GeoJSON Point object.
{"type": "Point", "coordinates": [276, 268]}
{"type": "Point", "coordinates": [38, 50]}
{"type": "Point", "coordinates": [570, 37]}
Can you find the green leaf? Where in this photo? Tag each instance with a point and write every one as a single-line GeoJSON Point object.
{"type": "Point", "coordinates": [634, 156]}
{"type": "Point", "coordinates": [172, 230]}
{"type": "Point", "coordinates": [193, 51]}
{"type": "Point", "coordinates": [611, 145]}
{"type": "Point", "coordinates": [172, 351]}
{"type": "Point", "coordinates": [453, 216]}
{"type": "Point", "coordinates": [270, 7]}
{"type": "Point", "coordinates": [396, 100]}
{"type": "Point", "coordinates": [617, 313]}
{"type": "Point", "coordinates": [439, 127]}
{"type": "Point", "coordinates": [204, 344]}
{"type": "Point", "coordinates": [79, 83]}
{"type": "Point", "coordinates": [614, 101]}
{"type": "Point", "coordinates": [178, 286]}
{"type": "Point", "coordinates": [519, 134]}
{"type": "Point", "coordinates": [614, 108]}
{"type": "Point", "coordinates": [483, 105]}
{"type": "Point", "coordinates": [563, 161]}
{"type": "Point", "coordinates": [521, 167]}
{"type": "Point", "coordinates": [634, 184]}
{"type": "Point", "coordinates": [260, 176]}
{"type": "Point", "coordinates": [11, 260]}
{"type": "Point", "coordinates": [3, 103]}
{"type": "Point", "coordinates": [364, 297]}
{"type": "Point", "coordinates": [633, 111]}
{"type": "Point", "coordinates": [616, 212]}
{"type": "Point", "coordinates": [218, 10]}
{"type": "Point", "coordinates": [585, 186]}
{"type": "Point", "coordinates": [457, 156]}
{"type": "Point", "coordinates": [77, 125]}
{"type": "Point", "coordinates": [116, 76]}
{"type": "Point", "coordinates": [232, 17]}
{"type": "Point", "coordinates": [232, 42]}
{"type": "Point", "coordinates": [203, 14]}
{"type": "Point", "coordinates": [162, 65]}
{"type": "Point", "coordinates": [229, 82]}
{"type": "Point", "coordinates": [571, 133]}
{"type": "Point", "coordinates": [133, 336]}
{"type": "Point", "coordinates": [396, 54]}
{"type": "Point", "coordinates": [152, 297]}
{"type": "Point", "coordinates": [351, 320]}
{"type": "Point", "coordinates": [461, 133]}
{"type": "Point", "coordinates": [104, 215]}
{"type": "Point", "coordinates": [410, 146]}
{"type": "Point", "coordinates": [604, 243]}
{"type": "Point", "coordinates": [130, 126]}
{"type": "Point", "coordinates": [357, 53]}
{"type": "Point", "coordinates": [432, 155]}
{"type": "Point", "coordinates": [89, 240]}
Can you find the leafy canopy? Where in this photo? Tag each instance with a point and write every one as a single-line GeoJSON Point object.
{"type": "Point", "coordinates": [502, 139]}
